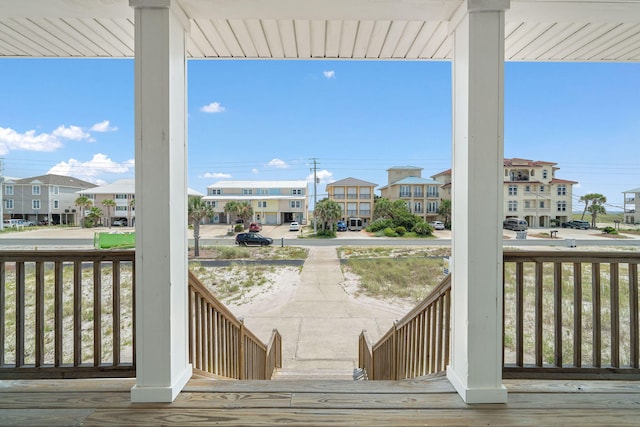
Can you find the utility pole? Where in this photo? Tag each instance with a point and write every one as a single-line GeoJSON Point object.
{"type": "Point", "coordinates": [315, 194]}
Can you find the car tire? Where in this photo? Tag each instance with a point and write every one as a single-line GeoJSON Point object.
{"type": "Point", "coordinates": [244, 244]}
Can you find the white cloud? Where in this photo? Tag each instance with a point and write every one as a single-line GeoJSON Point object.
{"type": "Point", "coordinates": [73, 133]}
{"type": "Point", "coordinates": [329, 74]}
{"type": "Point", "coordinates": [103, 126]}
{"type": "Point", "coordinates": [277, 163]}
{"type": "Point", "coordinates": [215, 175]}
{"type": "Point", "coordinates": [214, 107]}
{"type": "Point", "coordinates": [324, 177]}
{"type": "Point", "coordinates": [28, 141]}
{"type": "Point", "coordinates": [100, 164]}
{"type": "Point", "coordinates": [255, 171]}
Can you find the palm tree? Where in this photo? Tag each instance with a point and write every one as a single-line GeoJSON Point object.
{"type": "Point", "coordinates": [95, 214]}
{"type": "Point", "coordinates": [245, 211]}
{"type": "Point", "coordinates": [328, 211]}
{"type": "Point", "coordinates": [445, 211]}
{"type": "Point", "coordinates": [197, 210]}
{"type": "Point", "coordinates": [596, 209]}
{"type": "Point", "coordinates": [108, 204]}
{"type": "Point", "coordinates": [231, 207]}
{"type": "Point", "coordinates": [593, 198]}
{"type": "Point", "coordinates": [83, 202]}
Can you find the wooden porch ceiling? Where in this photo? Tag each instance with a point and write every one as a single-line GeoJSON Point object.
{"type": "Point", "coordinates": [552, 30]}
{"type": "Point", "coordinates": [317, 403]}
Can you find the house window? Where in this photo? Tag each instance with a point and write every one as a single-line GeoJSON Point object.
{"type": "Point", "coordinates": [405, 191]}
{"type": "Point", "coordinates": [562, 206]}
{"type": "Point", "coordinates": [417, 191]}
{"type": "Point", "coordinates": [8, 190]}
{"type": "Point", "coordinates": [55, 190]}
{"type": "Point", "coordinates": [263, 191]}
{"type": "Point", "coordinates": [295, 204]}
{"type": "Point", "coordinates": [432, 191]}
{"type": "Point", "coordinates": [8, 204]}
{"type": "Point", "coordinates": [513, 190]}
{"type": "Point", "coordinates": [527, 204]}
{"type": "Point", "coordinates": [56, 204]}
{"type": "Point", "coordinates": [215, 191]}
{"type": "Point", "coordinates": [121, 197]}
{"type": "Point", "coordinates": [562, 190]}
{"type": "Point", "coordinates": [338, 193]}
{"type": "Point", "coordinates": [212, 203]}
{"type": "Point", "coordinates": [527, 188]}
{"type": "Point", "coordinates": [247, 191]}
{"type": "Point", "coordinates": [262, 203]}
{"type": "Point", "coordinates": [544, 174]}
{"type": "Point", "coordinates": [417, 207]}
{"type": "Point", "coordinates": [35, 190]}
{"type": "Point", "coordinates": [121, 208]}
{"type": "Point", "coordinates": [296, 191]}
{"type": "Point", "coordinates": [513, 206]}
{"type": "Point", "coordinates": [432, 207]}
{"type": "Point", "coordinates": [541, 204]}
{"type": "Point", "coordinates": [35, 204]}
{"type": "Point", "coordinates": [542, 188]}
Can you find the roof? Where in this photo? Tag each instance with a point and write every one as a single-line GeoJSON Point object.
{"type": "Point", "coordinates": [60, 180]}
{"type": "Point", "coordinates": [635, 190]}
{"type": "Point", "coordinates": [552, 30]}
{"type": "Point", "coordinates": [124, 186]}
{"type": "Point", "coordinates": [515, 162]}
{"type": "Point", "coordinates": [259, 184]}
{"type": "Point", "coordinates": [353, 182]}
{"type": "Point", "coordinates": [562, 181]}
{"type": "Point", "coordinates": [413, 180]}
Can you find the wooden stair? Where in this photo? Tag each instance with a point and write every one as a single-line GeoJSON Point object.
{"type": "Point", "coordinates": [292, 374]}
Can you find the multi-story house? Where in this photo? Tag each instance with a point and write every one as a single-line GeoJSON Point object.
{"type": "Point", "coordinates": [273, 202]}
{"type": "Point", "coordinates": [421, 195]}
{"type": "Point", "coordinates": [123, 193]}
{"type": "Point", "coordinates": [355, 197]}
{"type": "Point", "coordinates": [42, 199]}
{"type": "Point", "coordinates": [631, 205]}
{"type": "Point", "coordinates": [531, 192]}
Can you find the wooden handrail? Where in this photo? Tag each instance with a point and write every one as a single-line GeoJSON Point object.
{"type": "Point", "coordinates": [36, 285]}
{"type": "Point", "coordinates": [574, 286]}
{"type": "Point", "coordinates": [219, 343]}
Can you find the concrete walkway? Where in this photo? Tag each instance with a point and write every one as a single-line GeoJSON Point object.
{"type": "Point", "coordinates": [320, 323]}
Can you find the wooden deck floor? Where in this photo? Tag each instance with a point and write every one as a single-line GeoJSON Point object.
{"type": "Point", "coordinates": [318, 403]}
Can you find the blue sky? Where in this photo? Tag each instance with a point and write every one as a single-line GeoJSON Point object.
{"type": "Point", "coordinates": [261, 120]}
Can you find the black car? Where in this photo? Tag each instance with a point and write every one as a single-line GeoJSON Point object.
{"type": "Point", "coordinates": [576, 223]}
{"type": "Point", "coordinates": [255, 239]}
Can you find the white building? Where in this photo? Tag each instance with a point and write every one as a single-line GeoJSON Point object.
{"type": "Point", "coordinates": [631, 205]}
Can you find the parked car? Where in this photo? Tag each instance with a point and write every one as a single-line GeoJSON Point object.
{"type": "Point", "coordinates": [576, 223]}
{"type": "Point", "coordinates": [294, 226]}
{"type": "Point", "coordinates": [120, 223]}
{"type": "Point", "coordinates": [515, 224]}
{"type": "Point", "coordinates": [255, 239]}
{"type": "Point", "coordinates": [437, 225]}
{"type": "Point", "coordinates": [27, 223]}
{"type": "Point", "coordinates": [255, 226]}
{"type": "Point", "coordinates": [341, 226]}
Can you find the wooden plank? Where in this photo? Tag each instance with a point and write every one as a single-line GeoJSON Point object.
{"type": "Point", "coordinates": [557, 313]}
{"type": "Point", "coordinates": [44, 417]}
{"type": "Point", "coordinates": [20, 314]}
{"type": "Point", "coordinates": [634, 340]}
{"type": "Point", "coordinates": [77, 313]}
{"type": "Point", "coordinates": [539, 303]}
{"type": "Point", "coordinates": [577, 314]}
{"type": "Point", "coordinates": [519, 313]}
{"type": "Point", "coordinates": [615, 314]}
{"type": "Point", "coordinates": [596, 308]}
{"type": "Point", "coordinates": [58, 314]}
{"type": "Point", "coordinates": [3, 304]}
{"type": "Point", "coordinates": [97, 313]}
{"type": "Point", "coordinates": [115, 311]}
{"type": "Point", "coordinates": [39, 330]}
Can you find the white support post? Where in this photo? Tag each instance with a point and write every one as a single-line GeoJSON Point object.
{"type": "Point", "coordinates": [161, 202]}
{"type": "Point", "coordinates": [477, 201]}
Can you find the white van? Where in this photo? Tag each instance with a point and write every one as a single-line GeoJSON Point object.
{"type": "Point", "coordinates": [515, 224]}
{"type": "Point", "coordinates": [355, 224]}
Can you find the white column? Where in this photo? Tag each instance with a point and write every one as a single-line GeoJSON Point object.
{"type": "Point", "coordinates": [478, 122]}
{"type": "Point", "coordinates": [161, 202]}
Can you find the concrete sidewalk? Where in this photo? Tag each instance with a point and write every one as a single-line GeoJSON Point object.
{"type": "Point", "coordinates": [320, 323]}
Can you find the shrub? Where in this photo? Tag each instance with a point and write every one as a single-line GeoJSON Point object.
{"type": "Point", "coordinates": [422, 229]}
{"type": "Point", "coordinates": [610, 230]}
{"type": "Point", "coordinates": [390, 232]}
{"type": "Point", "coordinates": [379, 224]}
{"type": "Point", "coordinates": [88, 223]}
{"type": "Point", "coordinates": [400, 230]}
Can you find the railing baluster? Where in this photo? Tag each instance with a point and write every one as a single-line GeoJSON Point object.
{"type": "Point", "coordinates": [597, 315]}
{"type": "Point", "coordinates": [97, 313]}
{"type": "Point", "coordinates": [77, 313]}
{"type": "Point", "coordinates": [440, 309]}
{"type": "Point", "coordinates": [115, 311]}
{"type": "Point", "coordinates": [615, 314]}
{"type": "Point", "coordinates": [58, 310]}
{"type": "Point", "coordinates": [539, 348]}
{"type": "Point", "coordinates": [3, 304]}
{"type": "Point", "coordinates": [20, 313]}
{"type": "Point", "coordinates": [634, 343]}
{"type": "Point", "coordinates": [557, 314]}
{"type": "Point", "coordinates": [520, 313]}
{"type": "Point", "coordinates": [577, 314]}
{"type": "Point", "coordinates": [39, 332]}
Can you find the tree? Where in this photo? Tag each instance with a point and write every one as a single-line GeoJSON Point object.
{"type": "Point", "coordinates": [197, 211]}
{"type": "Point", "coordinates": [83, 202]}
{"type": "Point", "coordinates": [593, 198]}
{"type": "Point", "coordinates": [596, 209]}
{"type": "Point", "coordinates": [445, 211]}
{"type": "Point", "coordinates": [94, 216]}
{"type": "Point", "coordinates": [108, 204]}
{"type": "Point", "coordinates": [231, 208]}
{"type": "Point", "coordinates": [245, 211]}
{"type": "Point", "coordinates": [328, 212]}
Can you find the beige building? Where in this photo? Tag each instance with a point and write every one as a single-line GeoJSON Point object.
{"type": "Point", "coordinates": [273, 202]}
{"type": "Point", "coordinates": [355, 197]}
{"type": "Point", "coordinates": [421, 195]}
{"type": "Point", "coordinates": [531, 192]}
{"type": "Point", "coordinates": [631, 205]}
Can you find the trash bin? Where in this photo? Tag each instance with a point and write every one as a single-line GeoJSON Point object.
{"type": "Point", "coordinates": [521, 234]}
{"type": "Point", "coordinates": [571, 243]}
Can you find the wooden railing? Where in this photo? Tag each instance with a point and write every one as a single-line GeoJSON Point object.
{"type": "Point", "coordinates": [67, 314]}
{"type": "Point", "coordinates": [566, 315]}
{"type": "Point", "coordinates": [219, 343]}
{"type": "Point", "coordinates": [571, 315]}
{"type": "Point", "coordinates": [417, 345]}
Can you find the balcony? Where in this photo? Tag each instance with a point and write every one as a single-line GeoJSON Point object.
{"type": "Point", "coordinates": [338, 196]}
